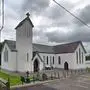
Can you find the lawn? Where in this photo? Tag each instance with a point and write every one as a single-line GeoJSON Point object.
{"type": "Point", "coordinates": [14, 79]}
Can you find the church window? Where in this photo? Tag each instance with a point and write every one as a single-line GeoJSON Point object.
{"type": "Point", "coordinates": [6, 55]}
{"type": "Point", "coordinates": [59, 60]}
{"type": "Point", "coordinates": [82, 57]}
{"type": "Point", "coordinates": [77, 57]}
{"type": "Point", "coordinates": [47, 60]}
{"type": "Point", "coordinates": [50, 61]}
{"type": "Point", "coordinates": [53, 59]}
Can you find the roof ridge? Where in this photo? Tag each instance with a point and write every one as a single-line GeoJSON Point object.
{"type": "Point", "coordinates": [41, 44]}
{"type": "Point", "coordinates": [69, 43]}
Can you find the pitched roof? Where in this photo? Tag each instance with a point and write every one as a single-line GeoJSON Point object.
{"type": "Point", "coordinates": [43, 48]}
{"type": "Point", "coordinates": [58, 49]}
{"type": "Point", "coordinates": [21, 23]}
{"type": "Point", "coordinates": [11, 44]}
{"type": "Point", "coordinates": [67, 48]}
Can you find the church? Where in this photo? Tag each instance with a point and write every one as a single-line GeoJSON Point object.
{"type": "Point", "coordinates": [22, 55]}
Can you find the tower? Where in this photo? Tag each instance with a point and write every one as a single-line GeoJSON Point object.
{"type": "Point", "coordinates": [24, 45]}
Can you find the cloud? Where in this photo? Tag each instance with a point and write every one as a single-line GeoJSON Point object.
{"type": "Point", "coordinates": [52, 24]}
{"type": "Point", "coordinates": [84, 15]}
{"type": "Point", "coordinates": [35, 6]}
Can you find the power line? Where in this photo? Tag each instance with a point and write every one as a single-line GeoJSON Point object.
{"type": "Point", "coordinates": [72, 14]}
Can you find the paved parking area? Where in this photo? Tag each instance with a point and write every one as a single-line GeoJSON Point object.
{"type": "Point", "coordinates": [81, 82]}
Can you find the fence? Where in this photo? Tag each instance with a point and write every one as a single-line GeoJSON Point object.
{"type": "Point", "coordinates": [55, 74]}
{"type": "Point", "coordinates": [4, 85]}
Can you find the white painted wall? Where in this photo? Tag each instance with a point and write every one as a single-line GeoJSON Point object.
{"type": "Point", "coordinates": [66, 57]}
{"type": "Point", "coordinates": [24, 46]}
{"type": "Point", "coordinates": [82, 65]}
{"type": "Point", "coordinates": [70, 58]}
{"type": "Point", "coordinates": [50, 62]}
{"type": "Point", "coordinates": [11, 64]}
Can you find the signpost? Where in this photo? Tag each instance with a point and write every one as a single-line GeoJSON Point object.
{"type": "Point", "coordinates": [1, 16]}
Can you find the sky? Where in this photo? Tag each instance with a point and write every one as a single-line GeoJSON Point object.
{"type": "Point", "coordinates": [52, 24]}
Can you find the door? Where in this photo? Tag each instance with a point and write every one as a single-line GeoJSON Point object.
{"type": "Point", "coordinates": [66, 66]}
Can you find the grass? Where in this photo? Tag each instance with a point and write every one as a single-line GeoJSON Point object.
{"type": "Point", "coordinates": [14, 79]}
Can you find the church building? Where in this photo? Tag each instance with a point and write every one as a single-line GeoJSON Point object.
{"type": "Point", "coordinates": [22, 55]}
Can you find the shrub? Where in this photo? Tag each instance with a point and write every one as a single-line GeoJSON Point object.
{"type": "Point", "coordinates": [88, 69]}
{"type": "Point", "coordinates": [22, 79]}
{"type": "Point", "coordinates": [27, 80]}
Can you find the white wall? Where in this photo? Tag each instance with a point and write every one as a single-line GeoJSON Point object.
{"type": "Point", "coordinates": [66, 57]}
{"type": "Point", "coordinates": [49, 56]}
{"type": "Point", "coordinates": [70, 58]}
{"type": "Point", "coordinates": [82, 65]}
{"type": "Point", "coordinates": [24, 46]}
{"type": "Point", "coordinates": [11, 64]}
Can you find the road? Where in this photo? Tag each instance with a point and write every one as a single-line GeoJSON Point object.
{"type": "Point", "coordinates": [81, 82]}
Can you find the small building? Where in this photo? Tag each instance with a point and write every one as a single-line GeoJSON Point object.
{"type": "Point", "coordinates": [22, 55]}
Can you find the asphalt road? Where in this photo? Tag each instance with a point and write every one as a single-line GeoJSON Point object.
{"type": "Point", "coordinates": [81, 82]}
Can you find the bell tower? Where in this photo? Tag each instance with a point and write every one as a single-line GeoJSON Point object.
{"type": "Point", "coordinates": [24, 44]}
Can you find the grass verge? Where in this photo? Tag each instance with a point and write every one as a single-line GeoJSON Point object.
{"type": "Point", "coordinates": [14, 79]}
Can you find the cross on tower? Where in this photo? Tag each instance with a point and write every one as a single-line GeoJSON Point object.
{"type": "Point", "coordinates": [28, 14]}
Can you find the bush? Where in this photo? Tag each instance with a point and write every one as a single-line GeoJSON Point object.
{"type": "Point", "coordinates": [27, 80]}
{"type": "Point", "coordinates": [22, 79]}
{"type": "Point", "coordinates": [44, 76]}
{"type": "Point", "coordinates": [88, 69]}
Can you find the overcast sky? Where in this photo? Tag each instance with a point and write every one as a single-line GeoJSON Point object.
{"type": "Point", "coordinates": [52, 24]}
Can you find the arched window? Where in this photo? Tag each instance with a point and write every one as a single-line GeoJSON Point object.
{"type": "Point", "coordinates": [53, 59]}
{"type": "Point", "coordinates": [47, 60]}
{"type": "Point", "coordinates": [77, 57]}
{"type": "Point", "coordinates": [6, 55]}
{"type": "Point", "coordinates": [82, 57]}
{"type": "Point", "coordinates": [59, 60]}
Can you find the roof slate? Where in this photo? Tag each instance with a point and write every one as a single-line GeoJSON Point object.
{"type": "Point", "coordinates": [43, 48]}
{"type": "Point", "coordinates": [11, 44]}
{"type": "Point", "coordinates": [58, 49]}
{"type": "Point", "coordinates": [66, 48]}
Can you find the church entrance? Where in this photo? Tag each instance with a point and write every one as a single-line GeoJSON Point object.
{"type": "Point", "coordinates": [66, 66]}
{"type": "Point", "coordinates": [36, 65]}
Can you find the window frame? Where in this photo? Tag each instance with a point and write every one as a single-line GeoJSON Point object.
{"type": "Point", "coordinates": [59, 60]}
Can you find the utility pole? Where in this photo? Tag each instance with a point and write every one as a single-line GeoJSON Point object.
{"type": "Point", "coordinates": [2, 16]}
